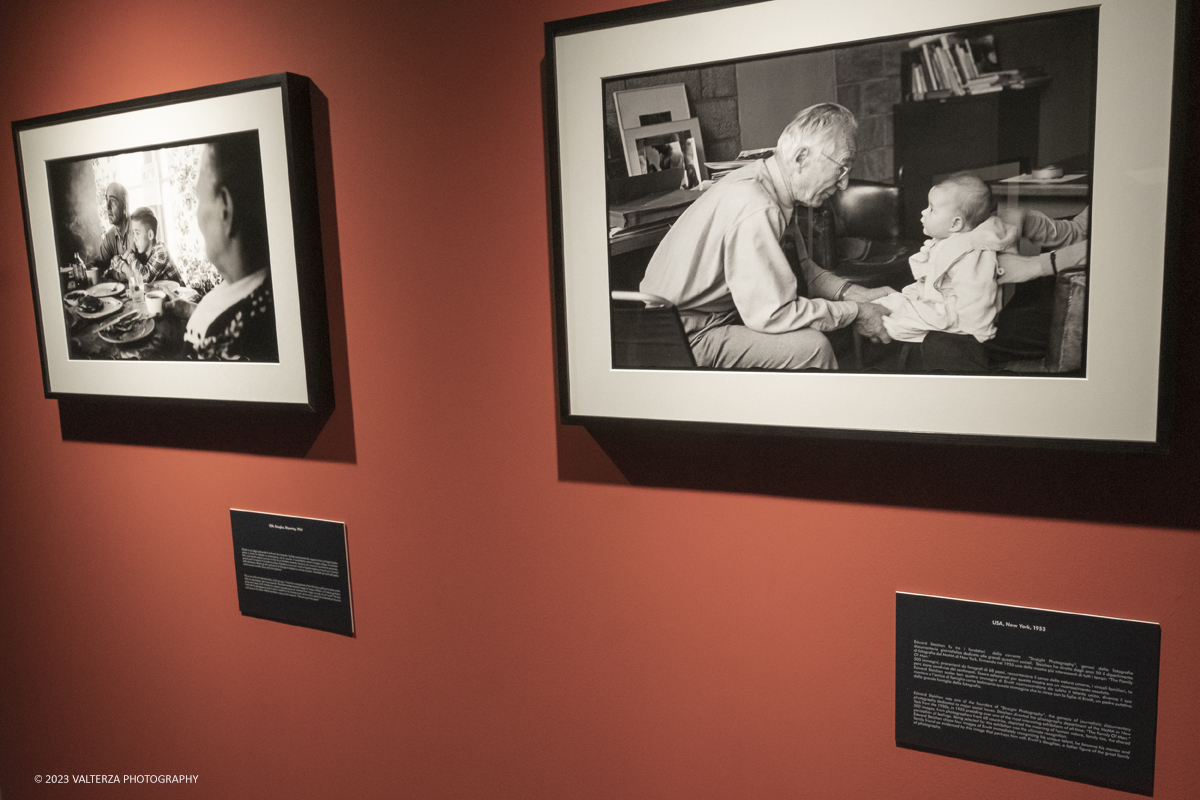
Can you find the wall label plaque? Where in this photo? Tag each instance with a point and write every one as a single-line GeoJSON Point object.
{"type": "Point", "coordinates": [1068, 695]}
{"type": "Point", "coordinates": [293, 570]}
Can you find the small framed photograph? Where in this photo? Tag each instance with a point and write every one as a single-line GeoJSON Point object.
{"type": "Point", "coordinates": [637, 108]}
{"type": "Point", "coordinates": [940, 219]}
{"type": "Point", "coordinates": [668, 145]}
{"type": "Point", "coordinates": [174, 246]}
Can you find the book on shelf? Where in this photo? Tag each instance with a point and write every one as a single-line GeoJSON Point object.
{"type": "Point", "coordinates": [917, 81]}
{"type": "Point", "coordinates": [953, 80]}
{"type": "Point", "coordinates": [986, 79]}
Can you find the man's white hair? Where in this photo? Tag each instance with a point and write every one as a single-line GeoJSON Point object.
{"type": "Point", "coordinates": [824, 123]}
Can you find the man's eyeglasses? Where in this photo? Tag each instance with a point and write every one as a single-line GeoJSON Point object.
{"type": "Point", "coordinates": [844, 170]}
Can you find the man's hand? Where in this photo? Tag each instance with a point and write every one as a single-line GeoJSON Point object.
{"type": "Point", "coordinates": [869, 322]}
{"type": "Point", "coordinates": [861, 294]}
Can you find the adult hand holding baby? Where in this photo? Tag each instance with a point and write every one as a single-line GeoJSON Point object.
{"type": "Point", "coordinates": [861, 294]}
{"type": "Point", "coordinates": [1012, 215]}
{"type": "Point", "coordinates": [1064, 239]}
{"type": "Point", "coordinates": [869, 322]}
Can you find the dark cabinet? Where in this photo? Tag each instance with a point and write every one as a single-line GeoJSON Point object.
{"type": "Point", "coordinates": [936, 137]}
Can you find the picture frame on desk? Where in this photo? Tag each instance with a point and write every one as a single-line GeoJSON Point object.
{"type": "Point", "coordinates": [1117, 397]}
{"type": "Point", "coordinates": [224, 177]}
{"type": "Point", "coordinates": [678, 144]}
{"type": "Point", "coordinates": [651, 105]}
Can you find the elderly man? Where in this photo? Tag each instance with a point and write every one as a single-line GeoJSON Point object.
{"type": "Point", "coordinates": [723, 267]}
{"type": "Point", "coordinates": [117, 240]}
{"type": "Point", "coordinates": [236, 320]}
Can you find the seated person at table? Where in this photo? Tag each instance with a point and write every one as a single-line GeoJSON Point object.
{"type": "Point", "coordinates": [148, 255]}
{"type": "Point", "coordinates": [722, 266]}
{"type": "Point", "coordinates": [955, 293]}
{"type": "Point", "coordinates": [117, 239]}
{"type": "Point", "coordinates": [236, 320]}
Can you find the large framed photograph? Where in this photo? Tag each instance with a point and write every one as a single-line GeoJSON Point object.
{"type": "Point", "coordinates": [943, 218]}
{"type": "Point", "coordinates": [174, 247]}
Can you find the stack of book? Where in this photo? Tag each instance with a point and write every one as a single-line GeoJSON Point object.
{"type": "Point", "coordinates": [948, 65]}
{"type": "Point", "coordinates": [647, 210]}
{"type": "Point", "coordinates": [719, 169]}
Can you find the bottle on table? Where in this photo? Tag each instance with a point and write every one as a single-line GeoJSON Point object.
{"type": "Point", "coordinates": [76, 274]}
{"type": "Point", "coordinates": [137, 291]}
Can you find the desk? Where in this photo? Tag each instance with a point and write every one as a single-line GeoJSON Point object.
{"type": "Point", "coordinates": [631, 239]}
{"type": "Point", "coordinates": [630, 250]}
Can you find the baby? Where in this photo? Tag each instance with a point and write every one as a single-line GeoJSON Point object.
{"type": "Point", "coordinates": [955, 291]}
{"type": "Point", "coordinates": [148, 255]}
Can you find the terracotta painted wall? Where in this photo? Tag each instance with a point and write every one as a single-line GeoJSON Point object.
{"type": "Point", "coordinates": [529, 624]}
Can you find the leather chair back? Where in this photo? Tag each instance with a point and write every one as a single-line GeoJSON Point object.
{"type": "Point", "coordinates": [868, 210]}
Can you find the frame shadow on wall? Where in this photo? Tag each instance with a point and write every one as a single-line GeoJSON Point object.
{"type": "Point", "coordinates": [1153, 489]}
{"type": "Point", "coordinates": [244, 427]}
{"type": "Point", "coordinates": [1135, 489]}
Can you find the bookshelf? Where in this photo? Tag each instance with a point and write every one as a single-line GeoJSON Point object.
{"type": "Point", "coordinates": [962, 111]}
{"type": "Point", "coordinates": [935, 137]}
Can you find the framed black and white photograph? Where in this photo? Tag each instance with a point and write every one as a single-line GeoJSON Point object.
{"type": "Point", "coordinates": [174, 246]}
{"type": "Point", "coordinates": [942, 218]}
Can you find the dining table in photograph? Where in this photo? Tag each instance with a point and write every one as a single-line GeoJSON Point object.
{"type": "Point", "coordinates": [117, 330]}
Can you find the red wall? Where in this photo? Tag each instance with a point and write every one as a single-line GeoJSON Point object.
{"type": "Point", "coordinates": [529, 625]}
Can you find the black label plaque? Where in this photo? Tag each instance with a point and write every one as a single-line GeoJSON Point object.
{"type": "Point", "coordinates": [1068, 695]}
{"type": "Point", "coordinates": [293, 570]}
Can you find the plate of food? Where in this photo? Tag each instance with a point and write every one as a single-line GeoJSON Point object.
{"type": "Point", "coordinates": [90, 307]}
{"type": "Point", "coordinates": [72, 298]}
{"type": "Point", "coordinates": [127, 329]}
{"type": "Point", "coordinates": [106, 289]}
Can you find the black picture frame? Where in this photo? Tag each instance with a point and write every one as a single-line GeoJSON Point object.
{"type": "Point", "coordinates": [1094, 409]}
{"type": "Point", "coordinates": [279, 110]}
